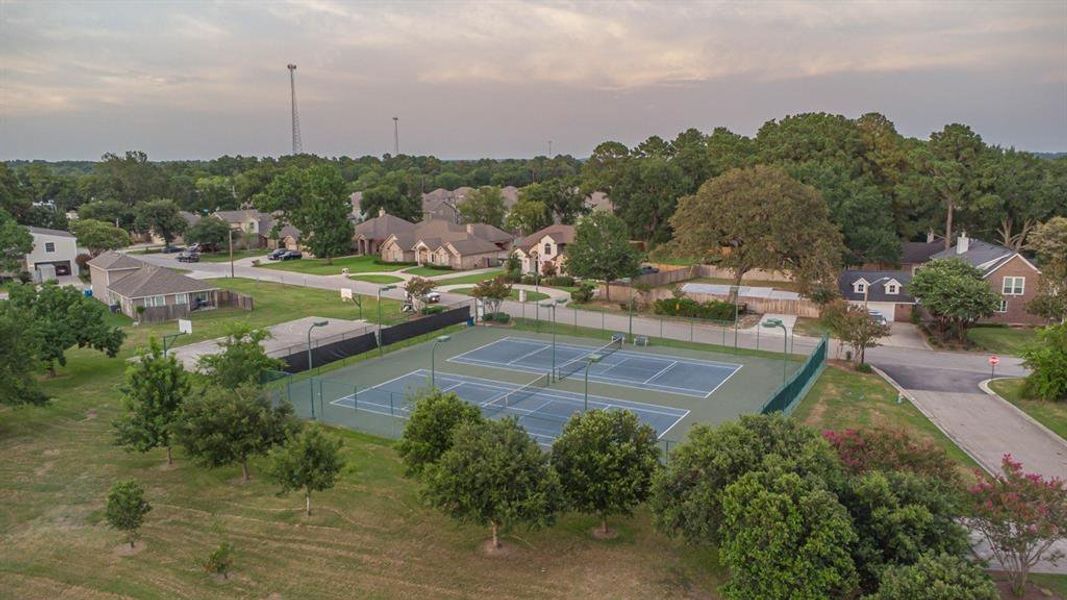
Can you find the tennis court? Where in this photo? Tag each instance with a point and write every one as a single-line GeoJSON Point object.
{"type": "Point", "coordinates": [542, 411]}
{"type": "Point", "coordinates": [659, 372]}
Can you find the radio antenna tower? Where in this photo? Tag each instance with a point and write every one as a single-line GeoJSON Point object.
{"type": "Point", "coordinates": [396, 137]}
{"type": "Point", "coordinates": [298, 145]}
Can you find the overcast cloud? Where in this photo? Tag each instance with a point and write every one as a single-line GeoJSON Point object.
{"type": "Point", "coordinates": [472, 79]}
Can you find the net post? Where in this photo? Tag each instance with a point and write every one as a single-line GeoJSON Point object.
{"type": "Point", "coordinates": [355, 398]}
{"type": "Point", "coordinates": [391, 409]}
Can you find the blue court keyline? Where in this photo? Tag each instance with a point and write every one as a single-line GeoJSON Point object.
{"type": "Point", "coordinates": [601, 401]}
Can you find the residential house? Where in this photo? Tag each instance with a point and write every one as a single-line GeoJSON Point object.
{"type": "Point", "coordinates": [1009, 273]}
{"type": "Point", "coordinates": [255, 227]}
{"type": "Point", "coordinates": [53, 254]}
{"type": "Point", "coordinates": [882, 291]}
{"type": "Point", "coordinates": [123, 281]}
{"type": "Point", "coordinates": [445, 243]}
{"type": "Point", "coordinates": [547, 245]}
{"type": "Point", "coordinates": [369, 235]}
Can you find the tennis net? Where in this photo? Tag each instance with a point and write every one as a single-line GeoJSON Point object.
{"type": "Point", "coordinates": [579, 363]}
{"type": "Point", "coordinates": [510, 399]}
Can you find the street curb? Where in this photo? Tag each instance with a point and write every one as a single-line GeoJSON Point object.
{"type": "Point", "coordinates": [984, 385]}
{"type": "Point", "coordinates": [930, 418]}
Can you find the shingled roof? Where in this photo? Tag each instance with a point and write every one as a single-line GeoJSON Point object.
{"type": "Point", "coordinates": [115, 261]}
{"type": "Point", "coordinates": [157, 281]}
{"type": "Point", "coordinates": [563, 234]}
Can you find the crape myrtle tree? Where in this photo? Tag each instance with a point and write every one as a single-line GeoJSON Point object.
{"type": "Point", "coordinates": [494, 475]}
{"type": "Point", "coordinates": [417, 288]}
{"type": "Point", "coordinates": [492, 293]}
{"type": "Point", "coordinates": [61, 318]}
{"type": "Point", "coordinates": [605, 461]}
{"type": "Point", "coordinates": [241, 358]}
{"type": "Point", "coordinates": [760, 218]}
{"type": "Point", "coordinates": [99, 236]}
{"type": "Point", "coordinates": [310, 461]}
{"type": "Point", "coordinates": [161, 216]}
{"type": "Point", "coordinates": [601, 249]}
{"type": "Point", "coordinates": [853, 325]}
{"type": "Point", "coordinates": [126, 508]}
{"type": "Point", "coordinates": [221, 427]}
{"type": "Point", "coordinates": [155, 388]}
{"type": "Point", "coordinates": [315, 201]}
{"type": "Point", "coordinates": [428, 432]}
{"type": "Point", "coordinates": [954, 294]}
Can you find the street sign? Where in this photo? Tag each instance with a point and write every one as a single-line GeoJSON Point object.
{"type": "Point", "coordinates": [994, 360]}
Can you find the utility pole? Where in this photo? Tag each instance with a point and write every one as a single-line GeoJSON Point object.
{"type": "Point", "coordinates": [298, 146]}
{"type": "Point", "coordinates": [550, 148]}
{"type": "Point", "coordinates": [396, 136]}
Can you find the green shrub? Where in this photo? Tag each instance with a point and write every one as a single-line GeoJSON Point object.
{"type": "Point", "coordinates": [432, 310]}
{"type": "Point", "coordinates": [1047, 360]}
{"type": "Point", "coordinates": [502, 317]}
{"type": "Point", "coordinates": [583, 294]}
{"type": "Point", "coordinates": [514, 276]}
{"type": "Point", "coordinates": [529, 279]}
{"type": "Point", "coordinates": [559, 281]}
{"type": "Point", "coordinates": [220, 561]}
{"type": "Point", "coordinates": [687, 307]}
{"type": "Point", "coordinates": [935, 577]}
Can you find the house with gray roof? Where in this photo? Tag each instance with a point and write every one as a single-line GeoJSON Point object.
{"type": "Point", "coordinates": [883, 291]}
{"type": "Point", "coordinates": [545, 246]}
{"type": "Point", "coordinates": [445, 243]}
{"type": "Point", "coordinates": [122, 281]}
{"type": "Point", "coordinates": [368, 236]}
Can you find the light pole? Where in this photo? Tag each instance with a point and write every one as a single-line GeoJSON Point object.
{"type": "Point", "coordinates": [313, 326]}
{"type": "Point", "coordinates": [771, 324]}
{"type": "Point", "coordinates": [552, 305]}
{"type": "Point", "coordinates": [433, 362]}
{"type": "Point", "coordinates": [592, 358]}
{"type": "Point", "coordinates": [631, 307]}
{"type": "Point", "coordinates": [231, 252]}
{"type": "Point", "coordinates": [384, 288]}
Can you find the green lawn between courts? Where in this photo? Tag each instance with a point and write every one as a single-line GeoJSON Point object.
{"type": "Point", "coordinates": [1001, 340]}
{"type": "Point", "coordinates": [1050, 414]}
{"type": "Point", "coordinates": [319, 266]}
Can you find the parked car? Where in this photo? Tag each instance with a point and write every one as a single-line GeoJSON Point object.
{"type": "Point", "coordinates": [647, 270]}
{"type": "Point", "coordinates": [878, 317]}
{"type": "Point", "coordinates": [172, 249]}
{"type": "Point", "coordinates": [291, 255]}
{"type": "Point", "coordinates": [189, 257]}
{"type": "Point", "coordinates": [433, 297]}
{"type": "Point", "coordinates": [277, 254]}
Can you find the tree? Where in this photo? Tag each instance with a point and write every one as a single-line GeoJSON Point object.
{"type": "Point", "coordinates": [853, 325]}
{"type": "Point", "coordinates": [126, 508]}
{"type": "Point", "coordinates": [494, 474]}
{"type": "Point", "coordinates": [562, 198]}
{"type": "Point", "coordinates": [428, 432]}
{"type": "Point", "coordinates": [492, 292]}
{"type": "Point", "coordinates": [220, 561]}
{"type": "Point", "coordinates": [605, 461]}
{"type": "Point", "coordinates": [686, 498]}
{"type": "Point", "coordinates": [645, 196]}
{"type": "Point", "coordinates": [601, 249]}
{"type": "Point", "coordinates": [1049, 241]}
{"type": "Point", "coordinates": [109, 211]}
{"type": "Point", "coordinates": [61, 318]}
{"type": "Point", "coordinates": [883, 449]}
{"type": "Point", "coordinates": [310, 461]}
{"type": "Point", "coordinates": [528, 216]}
{"type": "Point", "coordinates": [315, 201]}
{"type": "Point", "coordinates": [15, 243]}
{"type": "Point", "coordinates": [954, 155]}
{"type": "Point", "coordinates": [417, 288]}
{"type": "Point", "coordinates": [936, 577]}
{"type": "Point", "coordinates": [785, 537]}
{"type": "Point", "coordinates": [1047, 361]}
{"type": "Point", "coordinates": [222, 427]}
{"type": "Point", "coordinates": [1021, 515]}
{"type": "Point", "coordinates": [162, 217]}
{"type": "Point", "coordinates": [483, 205]}
{"type": "Point", "coordinates": [241, 359]}
{"type": "Point", "coordinates": [210, 232]}
{"type": "Point", "coordinates": [760, 218]}
{"type": "Point", "coordinates": [955, 295]}
{"type": "Point", "coordinates": [19, 347]}
{"type": "Point", "coordinates": [99, 236]}
{"type": "Point", "coordinates": [156, 386]}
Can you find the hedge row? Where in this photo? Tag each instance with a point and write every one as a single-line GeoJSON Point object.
{"type": "Point", "coordinates": [714, 310]}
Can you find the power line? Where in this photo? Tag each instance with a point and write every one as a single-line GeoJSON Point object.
{"type": "Point", "coordinates": [298, 145]}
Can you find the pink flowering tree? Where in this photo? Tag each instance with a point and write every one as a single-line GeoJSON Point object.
{"type": "Point", "coordinates": [1021, 515]}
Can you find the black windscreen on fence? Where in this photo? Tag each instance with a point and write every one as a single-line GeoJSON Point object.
{"type": "Point", "coordinates": [785, 398]}
{"type": "Point", "coordinates": [410, 329]}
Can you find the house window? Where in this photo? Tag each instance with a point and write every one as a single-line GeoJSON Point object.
{"type": "Point", "coordinates": [548, 249]}
{"type": "Point", "coordinates": [49, 246]}
{"type": "Point", "coordinates": [1003, 308]}
{"type": "Point", "coordinates": [181, 298]}
{"type": "Point", "coordinates": [860, 287]}
{"type": "Point", "coordinates": [155, 301]}
{"type": "Point", "coordinates": [892, 288]}
{"type": "Point", "coordinates": [1013, 286]}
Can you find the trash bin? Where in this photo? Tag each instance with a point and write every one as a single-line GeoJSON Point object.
{"type": "Point", "coordinates": [87, 292]}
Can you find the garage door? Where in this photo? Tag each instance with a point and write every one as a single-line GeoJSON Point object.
{"type": "Point", "coordinates": [62, 266]}
{"type": "Point", "coordinates": [888, 309]}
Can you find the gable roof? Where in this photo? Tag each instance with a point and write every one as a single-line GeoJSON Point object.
{"type": "Point", "coordinates": [190, 218]}
{"type": "Point", "coordinates": [380, 228]}
{"type": "Point", "coordinates": [877, 291]}
{"type": "Point", "coordinates": [45, 231]}
{"type": "Point", "coordinates": [919, 252]}
{"type": "Point", "coordinates": [473, 245]}
{"type": "Point", "coordinates": [984, 256]}
{"type": "Point", "coordinates": [157, 281]}
{"type": "Point", "coordinates": [563, 234]}
{"type": "Point", "coordinates": [115, 261]}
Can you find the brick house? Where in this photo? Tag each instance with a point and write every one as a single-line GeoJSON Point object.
{"type": "Point", "coordinates": [123, 281]}
{"type": "Point", "coordinates": [444, 243]}
{"type": "Point", "coordinates": [547, 245]}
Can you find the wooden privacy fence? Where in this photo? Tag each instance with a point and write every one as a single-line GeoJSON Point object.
{"type": "Point", "coordinates": [170, 312]}
{"type": "Point", "coordinates": [802, 307]}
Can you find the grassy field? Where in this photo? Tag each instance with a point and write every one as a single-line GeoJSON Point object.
{"type": "Point", "coordinates": [514, 295]}
{"type": "Point", "coordinates": [810, 327]}
{"type": "Point", "coordinates": [1001, 340]}
{"type": "Point", "coordinates": [428, 271]}
{"type": "Point", "coordinates": [844, 398]}
{"type": "Point", "coordinates": [318, 266]}
{"type": "Point", "coordinates": [472, 278]}
{"type": "Point", "coordinates": [1050, 414]}
{"type": "Point", "coordinates": [372, 278]}
{"type": "Point", "coordinates": [224, 256]}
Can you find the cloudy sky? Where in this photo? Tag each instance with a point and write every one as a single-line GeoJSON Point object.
{"type": "Point", "coordinates": [500, 78]}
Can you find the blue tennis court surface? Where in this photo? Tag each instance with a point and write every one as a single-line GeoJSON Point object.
{"type": "Point", "coordinates": [541, 411]}
{"type": "Point", "coordinates": [672, 374]}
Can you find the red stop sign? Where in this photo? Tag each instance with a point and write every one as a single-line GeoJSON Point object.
{"type": "Point", "coordinates": [994, 360]}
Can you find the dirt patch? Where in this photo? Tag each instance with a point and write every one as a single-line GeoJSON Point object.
{"type": "Point", "coordinates": [1033, 592]}
{"type": "Point", "coordinates": [221, 579]}
{"type": "Point", "coordinates": [51, 452]}
{"type": "Point", "coordinates": [274, 596]}
{"type": "Point", "coordinates": [504, 549]}
{"type": "Point", "coordinates": [601, 534]}
{"type": "Point", "coordinates": [90, 414]}
{"type": "Point", "coordinates": [124, 549]}
{"type": "Point", "coordinates": [167, 467]}
{"type": "Point", "coordinates": [43, 469]}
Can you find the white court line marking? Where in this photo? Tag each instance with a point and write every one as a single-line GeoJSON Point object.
{"type": "Point", "coordinates": [680, 419]}
{"type": "Point", "coordinates": [637, 354]}
{"type": "Point", "coordinates": [723, 381]}
{"type": "Point", "coordinates": [493, 343]}
{"type": "Point", "coordinates": [661, 372]}
{"type": "Point", "coordinates": [541, 349]}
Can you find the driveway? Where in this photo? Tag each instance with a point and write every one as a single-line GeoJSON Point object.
{"type": "Point", "coordinates": [905, 335]}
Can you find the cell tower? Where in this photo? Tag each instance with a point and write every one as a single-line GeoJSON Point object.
{"type": "Point", "coordinates": [396, 136]}
{"type": "Point", "coordinates": [298, 146]}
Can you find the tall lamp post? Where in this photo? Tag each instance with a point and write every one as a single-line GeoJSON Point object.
{"type": "Point", "coordinates": [589, 360]}
{"type": "Point", "coordinates": [384, 288]}
{"type": "Point", "coordinates": [771, 324]}
{"type": "Point", "coordinates": [433, 362]}
{"type": "Point", "coordinates": [310, 329]}
{"type": "Point", "coordinates": [552, 305]}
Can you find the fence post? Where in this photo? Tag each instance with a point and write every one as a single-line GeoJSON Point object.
{"type": "Point", "coordinates": [575, 319]}
{"type": "Point", "coordinates": [391, 413]}
{"type": "Point", "coordinates": [311, 396]}
{"type": "Point", "coordinates": [355, 398]}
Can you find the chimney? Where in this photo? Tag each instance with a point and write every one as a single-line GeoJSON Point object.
{"type": "Point", "coordinates": [381, 212]}
{"type": "Point", "coordinates": [963, 243]}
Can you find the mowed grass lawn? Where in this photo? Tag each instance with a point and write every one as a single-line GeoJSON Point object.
{"type": "Point", "coordinates": [318, 266]}
{"type": "Point", "coordinates": [369, 537]}
{"type": "Point", "coordinates": [514, 295]}
{"type": "Point", "coordinates": [1001, 340]}
{"type": "Point", "coordinates": [372, 278]}
{"type": "Point", "coordinates": [472, 278]}
{"type": "Point", "coordinates": [224, 256]}
{"type": "Point", "coordinates": [1050, 414]}
{"type": "Point", "coordinates": [428, 271]}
